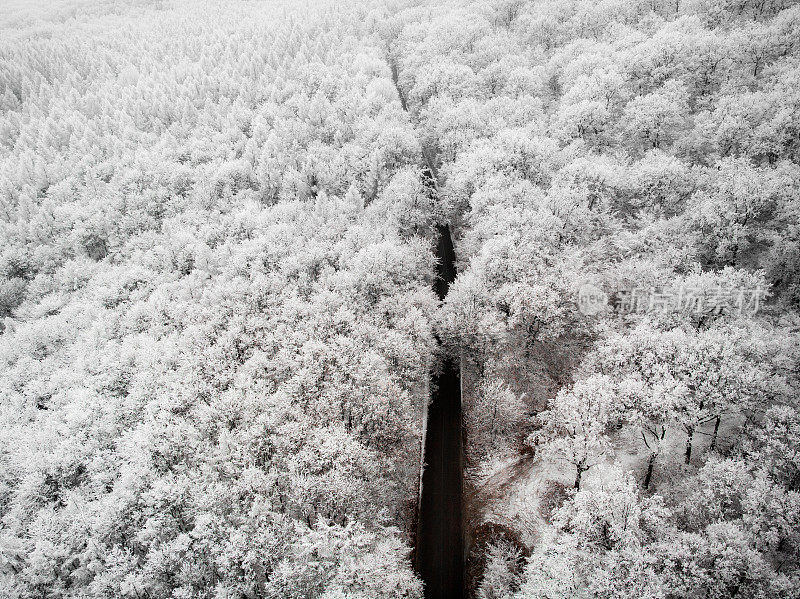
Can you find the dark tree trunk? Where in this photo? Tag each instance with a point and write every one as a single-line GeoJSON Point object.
{"type": "Point", "coordinates": [715, 434]}
{"type": "Point", "coordinates": [578, 475]}
{"type": "Point", "coordinates": [690, 436]}
{"type": "Point", "coordinates": [650, 463]}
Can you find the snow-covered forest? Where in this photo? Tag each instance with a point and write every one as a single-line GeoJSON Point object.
{"type": "Point", "coordinates": [218, 321]}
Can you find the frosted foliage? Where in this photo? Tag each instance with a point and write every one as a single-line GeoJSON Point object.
{"type": "Point", "coordinates": [219, 227]}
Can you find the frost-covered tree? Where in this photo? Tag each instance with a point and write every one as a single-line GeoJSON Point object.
{"type": "Point", "coordinates": [574, 427]}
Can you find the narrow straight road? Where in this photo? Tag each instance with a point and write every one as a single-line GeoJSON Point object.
{"type": "Point", "coordinates": [440, 546]}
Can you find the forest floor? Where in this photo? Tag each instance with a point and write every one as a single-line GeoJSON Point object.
{"type": "Point", "coordinates": [522, 491]}
{"type": "Point", "coordinates": [487, 500]}
{"type": "Point", "coordinates": [506, 490]}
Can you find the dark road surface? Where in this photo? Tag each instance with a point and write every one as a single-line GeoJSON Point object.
{"type": "Point", "coordinates": [440, 547]}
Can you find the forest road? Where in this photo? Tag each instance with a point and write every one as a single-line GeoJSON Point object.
{"type": "Point", "coordinates": [440, 542]}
